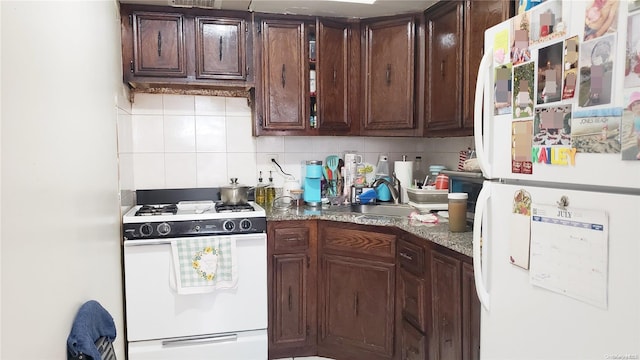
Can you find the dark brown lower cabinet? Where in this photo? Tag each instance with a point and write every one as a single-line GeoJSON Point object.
{"type": "Point", "coordinates": [413, 343]}
{"type": "Point", "coordinates": [357, 291]}
{"type": "Point", "coordinates": [292, 259]}
{"type": "Point", "coordinates": [362, 292]}
{"type": "Point", "coordinates": [440, 311]}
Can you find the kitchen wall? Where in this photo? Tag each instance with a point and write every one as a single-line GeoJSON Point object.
{"type": "Point", "coordinates": [61, 232]}
{"type": "Point", "coordinates": [177, 141]}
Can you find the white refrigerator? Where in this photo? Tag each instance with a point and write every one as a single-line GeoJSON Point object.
{"type": "Point", "coordinates": [557, 223]}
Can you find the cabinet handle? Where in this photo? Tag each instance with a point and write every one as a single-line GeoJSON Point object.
{"type": "Point", "coordinates": [159, 44]}
{"type": "Point", "coordinates": [284, 75]}
{"type": "Point", "coordinates": [356, 304]}
{"type": "Point", "coordinates": [335, 73]}
{"type": "Point", "coordinates": [442, 68]}
{"type": "Point", "coordinates": [290, 305]}
{"type": "Point", "coordinates": [406, 256]}
{"type": "Point", "coordinates": [220, 49]}
{"type": "Point", "coordinates": [291, 239]}
{"type": "Point", "coordinates": [308, 261]}
{"type": "Point", "coordinates": [388, 74]}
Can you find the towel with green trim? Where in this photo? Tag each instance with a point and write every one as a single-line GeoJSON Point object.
{"type": "Point", "coordinates": [205, 263]}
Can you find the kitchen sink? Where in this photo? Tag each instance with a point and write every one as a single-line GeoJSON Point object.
{"type": "Point", "coordinates": [400, 210]}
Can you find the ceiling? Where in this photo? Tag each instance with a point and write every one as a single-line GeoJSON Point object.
{"type": "Point", "coordinates": [303, 7]}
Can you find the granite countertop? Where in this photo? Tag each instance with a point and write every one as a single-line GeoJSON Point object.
{"type": "Point", "coordinates": [437, 233]}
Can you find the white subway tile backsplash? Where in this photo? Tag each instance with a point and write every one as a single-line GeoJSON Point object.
{"type": "Point", "coordinates": [180, 170]}
{"type": "Point", "coordinates": [125, 132]}
{"type": "Point", "coordinates": [178, 104]}
{"type": "Point", "coordinates": [148, 170]}
{"type": "Point", "coordinates": [147, 133]}
{"type": "Point", "coordinates": [211, 169]}
{"type": "Point", "coordinates": [125, 165]}
{"type": "Point", "coordinates": [211, 134]}
{"type": "Point", "coordinates": [175, 141]}
{"type": "Point", "coordinates": [239, 135]}
{"type": "Point", "coordinates": [210, 105]}
{"type": "Point", "coordinates": [237, 106]}
{"type": "Point", "coordinates": [146, 104]}
{"type": "Point", "coordinates": [179, 133]}
{"type": "Point", "coordinates": [242, 166]}
{"type": "Point", "coordinates": [271, 144]}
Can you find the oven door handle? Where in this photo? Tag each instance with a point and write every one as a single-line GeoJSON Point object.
{"type": "Point", "coordinates": [147, 242]}
{"type": "Point", "coordinates": [199, 340]}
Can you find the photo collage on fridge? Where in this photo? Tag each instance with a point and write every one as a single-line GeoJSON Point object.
{"type": "Point", "coordinates": [566, 90]}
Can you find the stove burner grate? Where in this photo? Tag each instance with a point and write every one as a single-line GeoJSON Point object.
{"type": "Point", "coordinates": [150, 210]}
{"type": "Point", "coordinates": [221, 208]}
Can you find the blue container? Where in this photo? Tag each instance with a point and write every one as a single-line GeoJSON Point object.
{"type": "Point", "coordinates": [382, 191]}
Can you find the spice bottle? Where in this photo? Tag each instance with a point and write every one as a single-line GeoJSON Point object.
{"type": "Point", "coordinates": [260, 192]}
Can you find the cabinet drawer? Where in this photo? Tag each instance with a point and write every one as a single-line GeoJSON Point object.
{"type": "Point", "coordinates": [411, 257]}
{"type": "Point", "coordinates": [359, 241]}
{"type": "Point", "coordinates": [412, 300]}
{"type": "Point", "coordinates": [291, 238]}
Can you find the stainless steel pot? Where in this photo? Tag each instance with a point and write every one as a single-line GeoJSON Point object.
{"type": "Point", "coordinates": [234, 193]}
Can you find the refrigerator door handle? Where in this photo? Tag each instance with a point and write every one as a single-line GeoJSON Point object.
{"type": "Point", "coordinates": [481, 205]}
{"type": "Point", "coordinates": [478, 115]}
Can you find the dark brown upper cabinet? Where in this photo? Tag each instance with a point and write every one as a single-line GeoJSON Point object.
{"type": "Point", "coordinates": [158, 40]}
{"type": "Point", "coordinates": [388, 72]}
{"type": "Point", "coordinates": [485, 15]}
{"type": "Point", "coordinates": [337, 75]}
{"type": "Point", "coordinates": [282, 97]}
{"type": "Point", "coordinates": [443, 80]}
{"type": "Point", "coordinates": [186, 49]}
{"type": "Point", "coordinates": [454, 43]}
{"type": "Point", "coordinates": [220, 45]}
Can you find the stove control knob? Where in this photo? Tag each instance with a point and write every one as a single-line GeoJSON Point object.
{"type": "Point", "coordinates": [196, 228]}
{"type": "Point", "coordinates": [245, 224]}
{"type": "Point", "coordinates": [164, 228]}
{"type": "Point", "coordinates": [229, 225]}
{"type": "Point", "coordinates": [146, 229]}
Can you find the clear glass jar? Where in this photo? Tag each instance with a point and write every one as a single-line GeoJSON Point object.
{"type": "Point", "coordinates": [457, 212]}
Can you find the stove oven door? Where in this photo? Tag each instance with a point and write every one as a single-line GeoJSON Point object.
{"type": "Point", "coordinates": [163, 324]}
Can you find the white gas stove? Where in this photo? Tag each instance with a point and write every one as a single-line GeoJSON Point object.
{"type": "Point", "coordinates": [223, 324]}
{"type": "Point", "coordinates": [192, 218]}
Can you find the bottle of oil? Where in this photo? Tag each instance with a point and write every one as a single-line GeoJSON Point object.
{"type": "Point", "coordinates": [261, 198]}
{"type": "Point", "coordinates": [270, 190]}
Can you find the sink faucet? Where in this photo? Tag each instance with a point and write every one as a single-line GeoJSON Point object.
{"type": "Point", "coordinates": [395, 191]}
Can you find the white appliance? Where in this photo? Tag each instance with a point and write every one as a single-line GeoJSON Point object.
{"type": "Point", "coordinates": [223, 324]}
{"type": "Point", "coordinates": [547, 305]}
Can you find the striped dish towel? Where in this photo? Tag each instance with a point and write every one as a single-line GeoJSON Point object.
{"type": "Point", "coordinates": [205, 263]}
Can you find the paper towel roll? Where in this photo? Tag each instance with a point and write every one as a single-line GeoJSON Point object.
{"type": "Point", "coordinates": [404, 173]}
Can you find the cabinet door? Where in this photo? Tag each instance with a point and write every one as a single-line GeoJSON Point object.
{"type": "Point", "coordinates": [220, 48]}
{"type": "Point", "coordinates": [470, 315]}
{"type": "Point", "coordinates": [443, 76]}
{"type": "Point", "coordinates": [333, 75]}
{"type": "Point", "coordinates": [158, 44]}
{"type": "Point", "coordinates": [413, 343]}
{"type": "Point", "coordinates": [290, 323]}
{"type": "Point", "coordinates": [357, 305]}
{"type": "Point", "coordinates": [284, 75]}
{"type": "Point", "coordinates": [291, 279]}
{"type": "Point", "coordinates": [479, 16]}
{"type": "Point", "coordinates": [389, 71]}
{"type": "Point", "coordinates": [445, 341]}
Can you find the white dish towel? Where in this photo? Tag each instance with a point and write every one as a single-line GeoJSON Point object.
{"type": "Point", "coordinates": [204, 264]}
